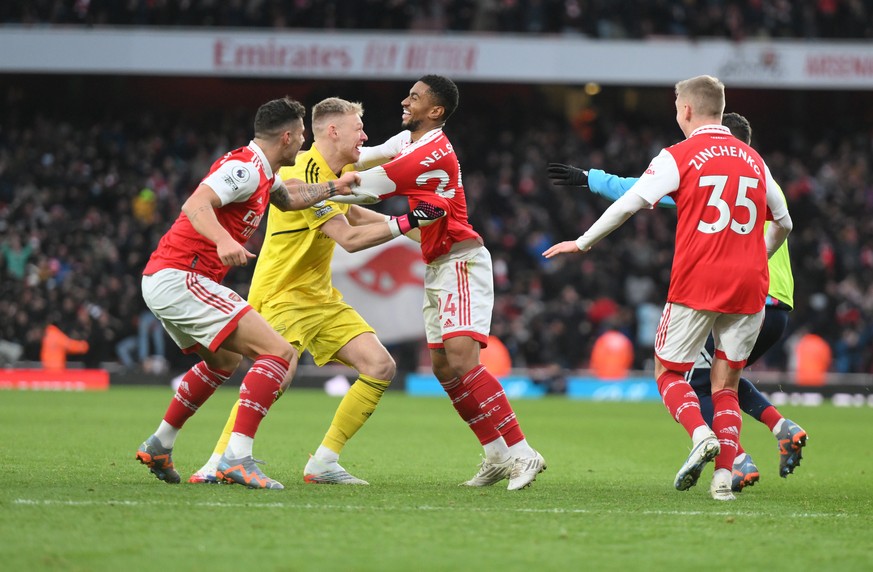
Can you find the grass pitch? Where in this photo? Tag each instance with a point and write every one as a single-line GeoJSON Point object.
{"type": "Point", "coordinates": [74, 498]}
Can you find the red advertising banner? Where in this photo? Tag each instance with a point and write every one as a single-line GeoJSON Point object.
{"type": "Point", "coordinates": [55, 380]}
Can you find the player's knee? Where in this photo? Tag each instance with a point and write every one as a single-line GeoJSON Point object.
{"type": "Point", "coordinates": [224, 361]}
{"type": "Point", "coordinates": [285, 351]}
{"type": "Point", "coordinates": [380, 367]}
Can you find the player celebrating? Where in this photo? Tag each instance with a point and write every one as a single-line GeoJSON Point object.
{"type": "Point", "coordinates": [182, 286]}
{"type": "Point", "coordinates": [459, 289]}
{"type": "Point", "coordinates": [791, 437]}
{"type": "Point", "coordinates": [292, 286]}
{"type": "Point", "coordinates": [719, 278]}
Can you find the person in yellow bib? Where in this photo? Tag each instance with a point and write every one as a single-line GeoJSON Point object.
{"type": "Point", "coordinates": [292, 286]}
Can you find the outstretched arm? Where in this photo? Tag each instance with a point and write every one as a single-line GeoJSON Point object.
{"type": "Point", "coordinates": [380, 154]}
{"type": "Point", "coordinates": [612, 218]}
{"type": "Point", "coordinates": [356, 236]}
{"type": "Point", "coordinates": [599, 182]}
{"type": "Point", "coordinates": [295, 195]}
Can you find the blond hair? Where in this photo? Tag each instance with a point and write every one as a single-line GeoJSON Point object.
{"type": "Point", "coordinates": [705, 94]}
{"type": "Point", "coordinates": [328, 108]}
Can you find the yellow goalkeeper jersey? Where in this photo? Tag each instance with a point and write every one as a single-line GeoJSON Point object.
{"type": "Point", "coordinates": [294, 263]}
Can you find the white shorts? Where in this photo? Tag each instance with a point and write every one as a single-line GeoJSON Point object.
{"type": "Point", "coordinates": [683, 331]}
{"type": "Point", "coordinates": [195, 310]}
{"type": "Point", "coordinates": [459, 295]}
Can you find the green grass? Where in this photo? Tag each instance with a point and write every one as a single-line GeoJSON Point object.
{"type": "Point", "coordinates": [73, 498]}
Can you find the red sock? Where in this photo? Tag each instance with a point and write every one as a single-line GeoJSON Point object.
{"type": "Point", "coordinates": [726, 423]}
{"type": "Point", "coordinates": [259, 389]}
{"type": "Point", "coordinates": [468, 408]}
{"type": "Point", "coordinates": [740, 449]}
{"type": "Point", "coordinates": [680, 400]}
{"type": "Point", "coordinates": [493, 403]}
{"type": "Point", "coordinates": [770, 417]}
{"type": "Point", "coordinates": [195, 388]}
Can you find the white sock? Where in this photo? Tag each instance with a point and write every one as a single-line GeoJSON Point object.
{"type": "Point", "coordinates": [740, 458]}
{"type": "Point", "coordinates": [722, 475]}
{"type": "Point", "coordinates": [325, 455]}
{"type": "Point", "coordinates": [776, 428]}
{"type": "Point", "coordinates": [700, 434]}
{"type": "Point", "coordinates": [522, 449]}
{"type": "Point", "coordinates": [496, 451]}
{"type": "Point", "coordinates": [211, 465]}
{"type": "Point", "coordinates": [166, 434]}
{"type": "Point", "coordinates": [239, 446]}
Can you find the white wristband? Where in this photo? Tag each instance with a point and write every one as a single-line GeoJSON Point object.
{"type": "Point", "coordinates": [394, 226]}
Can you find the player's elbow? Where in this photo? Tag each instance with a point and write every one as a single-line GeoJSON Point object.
{"type": "Point", "coordinates": [786, 224]}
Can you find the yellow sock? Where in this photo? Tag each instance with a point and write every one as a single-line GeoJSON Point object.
{"type": "Point", "coordinates": [354, 410]}
{"type": "Point", "coordinates": [228, 429]}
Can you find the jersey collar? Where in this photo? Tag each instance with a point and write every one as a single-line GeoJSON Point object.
{"type": "Point", "coordinates": [711, 130]}
{"type": "Point", "coordinates": [268, 170]}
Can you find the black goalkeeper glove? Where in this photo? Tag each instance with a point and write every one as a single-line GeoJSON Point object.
{"type": "Point", "coordinates": [568, 176]}
{"type": "Point", "coordinates": [422, 215]}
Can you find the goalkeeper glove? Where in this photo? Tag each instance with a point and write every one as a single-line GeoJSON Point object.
{"type": "Point", "coordinates": [422, 215]}
{"type": "Point", "coordinates": [566, 175]}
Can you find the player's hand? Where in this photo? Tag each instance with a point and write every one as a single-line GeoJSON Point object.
{"type": "Point", "coordinates": [425, 214]}
{"type": "Point", "coordinates": [566, 175]}
{"type": "Point", "coordinates": [346, 183]}
{"type": "Point", "coordinates": [422, 215]}
{"type": "Point", "coordinates": [566, 247]}
{"type": "Point", "coordinates": [232, 253]}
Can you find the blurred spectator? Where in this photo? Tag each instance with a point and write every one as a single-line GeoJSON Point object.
{"type": "Point", "coordinates": [55, 347]}
{"type": "Point", "coordinates": [608, 20]}
{"type": "Point", "coordinates": [88, 225]}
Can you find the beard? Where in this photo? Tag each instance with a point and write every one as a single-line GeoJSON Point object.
{"type": "Point", "coordinates": [411, 124]}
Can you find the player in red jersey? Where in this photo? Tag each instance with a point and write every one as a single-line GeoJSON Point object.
{"type": "Point", "coordinates": [459, 287]}
{"type": "Point", "coordinates": [723, 190]}
{"type": "Point", "coordinates": [182, 287]}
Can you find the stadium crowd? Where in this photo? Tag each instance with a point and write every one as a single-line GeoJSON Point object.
{"type": "Point", "coordinates": [84, 198]}
{"type": "Point", "coordinates": [617, 19]}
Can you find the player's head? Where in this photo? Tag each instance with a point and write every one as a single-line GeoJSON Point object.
{"type": "Point", "coordinates": [337, 124]}
{"type": "Point", "coordinates": [739, 126]}
{"type": "Point", "coordinates": [430, 103]}
{"type": "Point", "coordinates": [279, 123]}
{"type": "Point", "coordinates": [699, 101]}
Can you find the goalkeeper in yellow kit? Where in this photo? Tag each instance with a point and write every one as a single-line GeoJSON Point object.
{"type": "Point", "coordinates": [292, 285]}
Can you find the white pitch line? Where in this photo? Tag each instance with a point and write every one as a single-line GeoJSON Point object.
{"type": "Point", "coordinates": [312, 506]}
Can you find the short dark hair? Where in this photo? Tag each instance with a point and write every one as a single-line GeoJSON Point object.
{"type": "Point", "coordinates": [444, 92]}
{"type": "Point", "coordinates": [276, 114]}
{"type": "Point", "coordinates": [739, 126]}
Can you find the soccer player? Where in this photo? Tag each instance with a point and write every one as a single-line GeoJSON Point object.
{"type": "Point", "coordinates": [292, 286]}
{"type": "Point", "coordinates": [791, 437]}
{"type": "Point", "coordinates": [182, 286]}
{"type": "Point", "coordinates": [459, 288]}
{"type": "Point", "coordinates": [722, 189]}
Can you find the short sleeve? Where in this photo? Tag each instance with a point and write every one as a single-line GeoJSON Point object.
{"type": "Point", "coordinates": [234, 181]}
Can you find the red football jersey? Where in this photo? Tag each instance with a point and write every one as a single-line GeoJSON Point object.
{"type": "Point", "coordinates": [243, 180]}
{"type": "Point", "coordinates": [720, 259]}
{"type": "Point", "coordinates": [428, 170]}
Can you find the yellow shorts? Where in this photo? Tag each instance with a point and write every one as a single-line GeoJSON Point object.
{"type": "Point", "coordinates": [321, 329]}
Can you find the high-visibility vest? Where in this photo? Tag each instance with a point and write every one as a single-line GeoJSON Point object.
{"type": "Point", "coordinates": [55, 347]}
